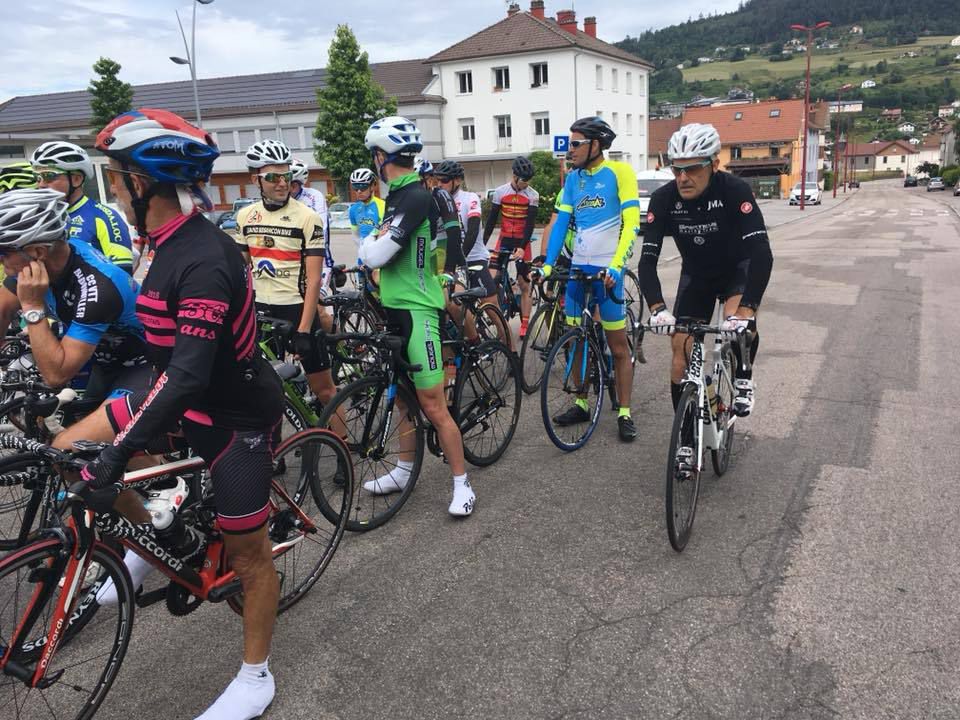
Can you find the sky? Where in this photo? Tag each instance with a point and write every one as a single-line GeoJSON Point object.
{"type": "Point", "coordinates": [51, 47]}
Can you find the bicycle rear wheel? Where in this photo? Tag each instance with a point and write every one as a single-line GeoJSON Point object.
{"type": "Point", "coordinates": [492, 325]}
{"type": "Point", "coordinates": [683, 474]}
{"type": "Point", "coordinates": [572, 373]}
{"type": "Point", "coordinates": [726, 420]}
{"type": "Point", "coordinates": [633, 299]}
{"type": "Point", "coordinates": [80, 673]}
{"type": "Point", "coordinates": [536, 346]}
{"type": "Point", "coordinates": [486, 401]}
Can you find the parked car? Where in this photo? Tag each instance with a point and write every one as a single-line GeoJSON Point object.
{"type": "Point", "coordinates": [936, 184]}
{"type": "Point", "coordinates": [647, 182]}
{"type": "Point", "coordinates": [228, 221]}
{"type": "Point", "coordinates": [812, 197]}
{"type": "Point", "coordinates": [340, 216]}
{"type": "Point", "coordinates": [242, 202]}
{"type": "Point", "coordinates": [956, 190]}
{"type": "Point", "coordinates": [853, 184]}
{"type": "Point", "coordinates": [215, 215]}
{"type": "Point", "coordinates": [909, 181]}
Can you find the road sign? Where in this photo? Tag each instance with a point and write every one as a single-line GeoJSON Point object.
{"type": "Point", "coordinates": [561, 143]}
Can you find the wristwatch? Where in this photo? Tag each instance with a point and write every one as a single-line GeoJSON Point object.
{"type": "Point", "coordinates": [34, 316]}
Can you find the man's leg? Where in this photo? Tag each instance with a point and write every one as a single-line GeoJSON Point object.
{"type": "Point", "coordinates": [743, 377]}
{"type": "Point", "coordinates": [251, 558]}
{"type": "Point", "coordinates": [433, 402]}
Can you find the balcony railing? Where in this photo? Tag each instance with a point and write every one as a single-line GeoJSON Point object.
{"type": "Point", "coordinates": [504, 143]}
{"type": "Point", "coordinates": [468, 147]}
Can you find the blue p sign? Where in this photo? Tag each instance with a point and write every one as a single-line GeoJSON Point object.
{"type": "Point", "coordinates": [561, 143]}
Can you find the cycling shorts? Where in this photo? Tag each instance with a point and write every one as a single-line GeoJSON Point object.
{"type": "Point", "coordinates": [508, 245]}
{"type": "Point", "coordinates": [319, 358]}
{"type": "Point", "coordinates": [125, 380]}
{"type": "Point", "coordinates": [240, 463]}
{"type": "Point", "coordinates": [481, 278]}
{"type": "Point", "coordinates": [697, 296]}
{"type": "Point", "coordinates": [421, 329]}
{"type": "Point", "coordinates": [612, 314]}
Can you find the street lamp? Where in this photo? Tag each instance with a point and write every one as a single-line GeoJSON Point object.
{"type": "Point", "coordinates": [191, 58]}
{"type": "Point", "coordinates": [838, 153]}
{"type": "Point", "coordinates": [836, 139]}
{"type": "Point", "coordinates": [806, 104]}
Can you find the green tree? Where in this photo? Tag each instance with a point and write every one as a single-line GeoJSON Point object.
{"type": "Point", "coordinates": [109, 96]}
{"type": "Point", "coordinates": [546, 181]}
{"type": "Point", "coordinates": [349, 101]}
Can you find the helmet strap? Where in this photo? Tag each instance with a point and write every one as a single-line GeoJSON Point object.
{"type": "Point", "coordinates": [76, 191]}
{"type": "Point", "coordinates": [270, 204]}
{"type": "Point", "coordinates": [140, 203]}
{"type": "Point", "coordinates": [592, 157]}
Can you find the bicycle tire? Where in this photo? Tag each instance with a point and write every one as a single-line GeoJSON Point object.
{"type": "Point", "coordinates": [369, 511]}
{"type": "Point", "coordinates": [634, 301]}
{"type": "Point", "coordinates": [536, 347]}
{"type": "Point", "coordinates": [22, 573]}
{"type": "Point", "coordinates": [720, 458]}
{"type": "Point", "coordinates": [683, 485]}
{"type": "Point", "coordinates": [360, 363]}
{"type": "Point", "coordinates": [15, 499]}
{"type": "Point", "coordinates": [561, 357]}
{"type": "Point", "coordinates": [492, 325]}
{"type": "Point", "coordinates": [486, 402]}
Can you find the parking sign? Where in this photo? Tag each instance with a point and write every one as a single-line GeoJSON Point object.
{"type": "Point", "coordinates": [561, 143]}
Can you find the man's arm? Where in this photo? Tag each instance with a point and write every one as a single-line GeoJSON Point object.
{"type": "Point", "coordinates": [629, 214]}
{"type": "Point", "coordinates": [59, 361]}
{"type": "Point", "coordinates": [395, 232]}
{"type": "Point", "coordinates": [9, 304]}
{"type": "Point", "coordinates": [113, 238]}
{"type": "Point", "coordinates": [753, 233]}
{"type": "Point", "coordinates": [314, 264]}
{"type": "Point", "coordinates": [491, 222]}
{"type": "Point", "coordinates": [650, 253]}
{"type": "Point", "coordinates": [564, 212]}
{"type": "Point", "coordinates": [451, 225]}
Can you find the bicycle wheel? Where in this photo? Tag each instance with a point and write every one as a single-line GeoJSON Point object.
{"type": "Point", "coordinates": [492, 325]}
{"type": "Point", "coordinates": [362, 407]}
{"type": "Point", "coordinates": [486, 401]}
{"type": "Point", "coordinates": [536, 346]}
{"type": "Point", "coordinates": [726, 420]}
{"type": "Point", "coordinates": [683, 475]}
{"type": "Point", "coordinates": [572, 373]}
{"type": "Point", "coordinates": [353, 359]}
{"type": "Point", "coordinates": [19, 505]}
{"type": "Point", "coordinates": [634, 302]}
{"type": "Point", "coordinates": [80, 673]}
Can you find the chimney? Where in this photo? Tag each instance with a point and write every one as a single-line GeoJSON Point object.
{"type": "Point", "coordinates": [536, 9]}
{"type": "Point", "coordinates": [567, 19]}
{"type": "Point", "coordinates": [590, 26]}
{"type": "Point", "coordinates": [513, 9]}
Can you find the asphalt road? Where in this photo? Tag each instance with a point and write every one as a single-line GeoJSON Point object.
{"type": "Point", "coordinates": [821, 580]}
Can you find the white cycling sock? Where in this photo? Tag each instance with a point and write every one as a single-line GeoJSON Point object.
{"type": "Point", "coordinates": [139, 570]}
{"type": "Point", "coordinates": [463, 497]}
{"type": "Point", "coordinates": [247, 696]}
{"type": "Point", "coordinates": [394, 481]}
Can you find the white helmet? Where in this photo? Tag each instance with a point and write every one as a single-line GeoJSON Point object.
{"type": "Point", "coordinates": [394, 135]}
{"type": "Point", "coordinates": [63, 156]}
{"type": "Point", "coordinates": [267, 152]}
{"type": "Point", "coordinates": [694, 141]}
{"type": "Point", "coordinates": [28, 217]}
{"type": "Point", "coordinates": [300, 172]}
{"type": "Point", "coordinates": [362, 176]}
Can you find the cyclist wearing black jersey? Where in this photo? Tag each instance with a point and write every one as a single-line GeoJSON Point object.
{"type": "Point", "coordinates": [197, 308]}
{"type": "Point", "coordinates": [722, 239]}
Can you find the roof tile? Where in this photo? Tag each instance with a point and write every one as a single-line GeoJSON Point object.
{"type": "Point", "coordinates": [757, 123]}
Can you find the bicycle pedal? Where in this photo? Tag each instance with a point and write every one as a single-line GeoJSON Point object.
{"type": "Point", "coordinates": [219, 594]}
{"type": "Point", "coordinates": [146, 599]}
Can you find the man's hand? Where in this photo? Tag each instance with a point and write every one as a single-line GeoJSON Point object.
{"type": "Point", "coordinates": [662, 321]}
{"type": "Point", "coordinates": [517, 254]}
{"type": "Point", "coordinates": [612, 277]}
{"type": "Point", "coordinates": [302, 343]}
{"type": "Point", "coordinates": [32, 285]}
{"type": "Point", "coordinates": [107, 469]}
{"type": "Point", "coordinates": [733, 326]}
{"type": "Point", "coordinates": [543, 272]}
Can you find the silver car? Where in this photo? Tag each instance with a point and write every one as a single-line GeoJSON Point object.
{"type": "Point", "coordinates": [936, 184]}
{"type": "Point", "coordinates": [340, 216]}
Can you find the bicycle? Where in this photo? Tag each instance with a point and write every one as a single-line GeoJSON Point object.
{"type": "Point", "coordinates": [579, 364]}
{"type": "Point", "coordinates": [545, 328]}
{"type": "Point", "coordinates": [48, 588]}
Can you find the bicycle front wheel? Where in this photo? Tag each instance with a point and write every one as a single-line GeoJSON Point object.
{"type": "Point", "coordinates": [21, 499]}
{"type": "Point", "coordinates": [486, 401]}
{"type": "Point", "coordinates": [536, 346]}
{"type": "Point", "coordinates": [726, 420]}
{"type": "Point", "coordinates": [492, 325]}
{"type": "Point", "coordinates": [80, 673]}
{"type": "Point", "coordinates": [571, 394]}
{"type": "Point", "coordinates": [633, 299]}
{"type": "Point", "coordinates": [683, 468]}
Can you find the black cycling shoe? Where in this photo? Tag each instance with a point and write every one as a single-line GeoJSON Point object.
{"type": "Point", "coordinates": [628, 431]}
{"type": "Point", "coordinates": [574, 415]}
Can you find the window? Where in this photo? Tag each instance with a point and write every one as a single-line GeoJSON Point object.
{"type": "Point", "coordinates": [774, 151]}
{"type": "Point", "coordinates": [308, 137]}
{"type": "Point", "coordinates": [884, 159]}
{"type": "Point", "coordinates": [738, 116]}
{"type": "Point", "coordinates": [541, 130]}
{"type": "Point", "coordinates": [501, 78]}
{"type": "Point", "coordinates": [465, 82]}
{"type": "Point", "coordinates": [903, 158]}
{"type": "Point", "coordinates": [539, 78]}
{"type": "Point", "coordinates": [599, 114]}
{"type": "Point", "coordinates": [247, 138]}
{"type": "Point", "coordinates": [291, 138]}
{"type": "Point", "coordinates": [775, 113]}
{"type": "Point", "coordinates": [736, 152]}
{"type": "Point", "coordinates": [866, 161]}
{"type": "Point", "coordinates": [629, 123]}
{"type": "Point", "coordinates": [599, 77]}
{"type": "Point", "coordinates": [225, 141]}
{"type": "Point", "coordinates": [213, 192]}
{"type": "Point", "coordinates": [629, 83]}
{"type": "Point", "coordinates": [615, 121]}
{"type": "Point", "coordinates": [614, 79]}
{"type": "Point", "coordinates": [231, 193]}
{"type": "Point", "coordinates": [504, 132]}
{"type": "Point", "coordinates": [253, 191]}
{"type": "Point", "coordinates": [468, 136]}
{"type": "Point", "coordinates": [641, 80]}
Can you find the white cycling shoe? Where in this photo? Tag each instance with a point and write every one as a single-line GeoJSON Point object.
{"type": "Point", "coordinates": [743, 402]}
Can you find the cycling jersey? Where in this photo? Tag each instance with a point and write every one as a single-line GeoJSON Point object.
{"type": "Point", "coordinates": [365, 217]}
{"type": "Point", "coordinates": [571, 236]}
{"type": "Point", "coordinates": [278, 242]}
{"type": "Point", "coordinates": [315, 200]}
{"type": "Point", "coordinates": [196, 306]}
{"type": "Point", "coordinates": [714, 234]}
{"type": "Point", "coordinates": [445, 232]}
{"type": "Point", "coordinates": [468, 207]}
{"type": "Point", "coordinates": [96, 303]}
{"type": "Point", "coordinates": [603, 202]}
{"type": "Point", "coordinates": [517, 210]}
{"type": "Point", "coordinates": [101, 228]}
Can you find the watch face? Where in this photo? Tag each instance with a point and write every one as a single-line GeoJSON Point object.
{"type": "Point", "coordinates": [34, 316]}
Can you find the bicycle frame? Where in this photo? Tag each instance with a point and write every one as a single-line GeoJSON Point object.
{"type": "Point", "coordinates": [706, 400]}
{"type": "Point", "coordinates": [290, 392]}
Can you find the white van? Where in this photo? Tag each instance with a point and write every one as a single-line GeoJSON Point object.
{"type": "Point", "coordinates": [647, 182]}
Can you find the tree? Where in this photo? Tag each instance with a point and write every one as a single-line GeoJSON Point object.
{"type": "Point", "coordinates": [109, 96]}
{"type": "Point", "coordinates": [349, 102]}
{"type": "Point", "coordinates": [546, 181]}
{"type": "Point", "coordinates": [928, 168]}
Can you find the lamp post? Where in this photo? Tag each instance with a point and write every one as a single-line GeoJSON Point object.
{"type": "Point", "coordinates": [839, 156]}
{"type": "Point", "coordinates": [836, 135]}
{"type": "Point", "coordinates": [806, 105]}
{"type": "Point", "coordinates": [191, 51]}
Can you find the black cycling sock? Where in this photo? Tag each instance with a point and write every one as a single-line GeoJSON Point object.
{"type": "Point", "coordinates": [742, 374]}
{"type": "Point", "coordinates": [675, 390]}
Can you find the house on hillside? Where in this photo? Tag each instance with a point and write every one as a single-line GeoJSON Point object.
{"type": "Point", "coordinates": [763, 142]}
{"type": "Point", "coordinates": [660, 131]}
{"type": "Point", "coordinates": [945, 111]}
{"type": "Point", "coordinates": [845, 106]}
{"type": "Point", "coordinates": [955, 42]}
{"type": "Point", "coordinates": [891, 114]}
{"type": "Point", "coordinates": [929, 150]}
{"type": "Point", "coordinates": [906, 127]}
{"type": "Point", "coordinates": [868, 84]}
{"type": "Point", "coordinates": [856, 30]}
{"type": "Point", "coordinates": [870, 158]}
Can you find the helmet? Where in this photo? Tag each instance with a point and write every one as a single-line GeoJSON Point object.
{"type": "Point", "coordinates": [160, 143]}
{"type": "Point", "coordinates": [28, 217]}
{"type": "Point", "coordinates": [422, 166]}
{"type": "Point", "coordinates": [449, 169]}
{"type": "Point", "coordinates": [595, 128]}
{"type": "Point", "coordinates": [268, 152]}
{"type": "Point", "coordinates": [694, 141]}
{"type": "Point", "coordinates": [362, 176]}
{"type": "Point", "coordinates": [63, 156]}
{"type": "Point", "coordinates": [394, 135]}
{"type": "Point", "coordinates": [300, 172]}
{"type": "Point", "coordinates": [523, 168]}
{"type": "Point", "coordinates": [17, 176]}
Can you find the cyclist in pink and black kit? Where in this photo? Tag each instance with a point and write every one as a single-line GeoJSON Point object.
{"type": "Point", "coordinates": [196, 304]}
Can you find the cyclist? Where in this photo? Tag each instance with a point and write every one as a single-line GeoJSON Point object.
{"type": "Point", "coordinates": [284, 240]}
{"type": "Point", "coordinates": [17, 176]}
{"type": "Point", "coordinates": [65, 167]}
{"type": "Point", "coordinates": [411, 294]}
{"type": "Point", "coordinates": [315, 200]}
{"type": "Point", "coordinates": [444, 223]}
{"type": "Point", "coordinates": [518, 204]}
{"type": "Point", "coordinates": [196, 304]}
{"type": "Point", "coordinates": [722, 239]}
{"type": "Point", "coordinates": [367, 212]}
{"type": "Point", "coordinates": [601, 196]}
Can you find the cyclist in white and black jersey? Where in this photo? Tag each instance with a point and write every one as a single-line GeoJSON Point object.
{"type": "Point", "coordinates": [316, 201]}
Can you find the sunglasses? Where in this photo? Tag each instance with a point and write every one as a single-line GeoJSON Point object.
{"type": "Point", "coordinates": [48, 175]}
{"type": "Point", "coordinates": [577, 143]}
{"type": "Point", "coordinates": [275, 177]}
{"type": "Point", "coordinates": [360, 186]}
{"type": "Point", "coordinates": [443, 179]}
{"type": "Point", "coordinates": [678, 170]}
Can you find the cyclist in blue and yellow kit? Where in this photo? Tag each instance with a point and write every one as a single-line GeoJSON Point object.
{"type": "Point", "coordinates": [367, 212]}
{"type": "Point", "coordinates": [601, 196]}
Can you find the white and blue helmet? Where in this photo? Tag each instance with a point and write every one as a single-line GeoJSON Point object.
{"type": "Point", "coordinates": [395, 135]}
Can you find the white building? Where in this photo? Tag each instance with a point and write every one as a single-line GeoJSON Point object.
{"type": "Point", "coordinates": [845, 106]}
{"type": "Point", "coordinates": [868, 84]}
{"type": "Point", "coordinates": [906, 127]}
{"type": "Point", "coordinates": [514, 85]}
{"type": "Point", "coordinates": [955, 42]}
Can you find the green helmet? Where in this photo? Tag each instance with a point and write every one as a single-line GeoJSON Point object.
{"type": "Point", "coordinates": [17, 176]}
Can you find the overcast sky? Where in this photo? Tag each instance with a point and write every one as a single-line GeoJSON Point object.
{"type": "Point", "coordinates": [51, 46]}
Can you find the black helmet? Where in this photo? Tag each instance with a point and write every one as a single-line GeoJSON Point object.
{"type": "Point", "coordinates": [523, 168]}
{"type": "Point", "coordinates": [595, 128]}
{"type": "Point", "coordinates": [448, 169]}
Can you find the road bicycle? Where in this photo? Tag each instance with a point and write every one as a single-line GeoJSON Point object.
{"type": "Point", "coordinates": [544, 329]}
